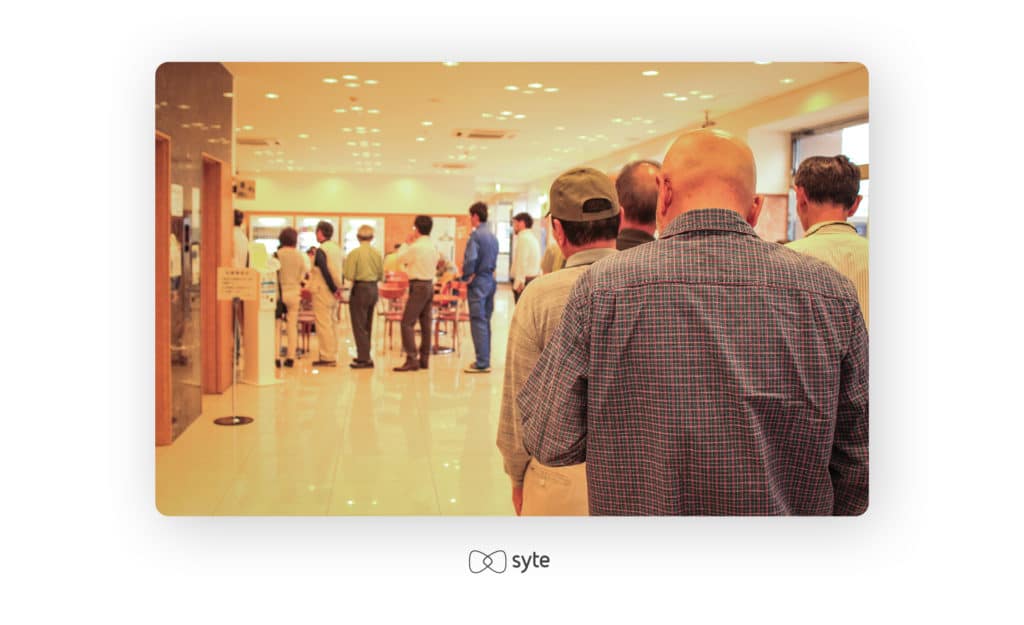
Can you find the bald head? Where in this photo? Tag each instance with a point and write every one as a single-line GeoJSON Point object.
{"type": "Point", "coordinates": [708, 169]}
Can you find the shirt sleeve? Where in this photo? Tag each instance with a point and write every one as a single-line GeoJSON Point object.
{"type": "Point", "coordinates": [321, 264]}
{"type": "Point", "coordinates": [848, 466]}
{"type": "Point", "coordinates": [553, 401]}
{"type": "Point", "coordinates": [522, 354]}
{"type": "Point", "coordinates": [470, 259]}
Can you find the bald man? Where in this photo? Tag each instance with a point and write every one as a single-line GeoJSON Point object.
{"type": "Point", "coordinates": [637, 188]}
{"type": "Point", "coordinates": [708, 372]}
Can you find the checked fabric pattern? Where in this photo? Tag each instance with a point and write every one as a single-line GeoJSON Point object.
{"type": "Point", "coordinates": [707, 373]}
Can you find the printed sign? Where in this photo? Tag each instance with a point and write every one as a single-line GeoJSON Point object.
{"type": "Point", "coordinates": [177, 200]}
{"type": "Point", "coordinates": [243, 283]}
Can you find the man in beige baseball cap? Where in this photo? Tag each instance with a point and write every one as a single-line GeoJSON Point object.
{"type": "Point", "coordinates": [585, 223]}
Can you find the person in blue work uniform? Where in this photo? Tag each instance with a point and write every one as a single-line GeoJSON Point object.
{"type": "Point", "coordinates": [478, 270]}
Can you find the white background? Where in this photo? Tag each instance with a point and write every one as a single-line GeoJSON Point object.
{"type": "Point", "coordinates": [82, 539]}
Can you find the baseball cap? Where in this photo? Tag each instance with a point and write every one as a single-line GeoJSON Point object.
{"type": "Point", "coordinates": [583, 194]}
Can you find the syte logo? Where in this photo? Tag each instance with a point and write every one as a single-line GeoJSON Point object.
{"type": "Point", "coordinates": [497, 561]}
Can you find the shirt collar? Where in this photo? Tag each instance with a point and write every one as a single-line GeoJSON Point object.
{"type": "Point", "coordinates": [708, 219]}
{"type": "Point", "coordinates": [589, 257]}
{"type": "Point", "coordinates": [823, 224]}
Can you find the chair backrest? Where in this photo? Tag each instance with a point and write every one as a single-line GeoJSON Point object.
{"type": "Point", "coordinates": [456, 287]}
{"type": "Point", "coordinates": [396, 276]}
{"type": "Point", "coordinates": [392, 290]}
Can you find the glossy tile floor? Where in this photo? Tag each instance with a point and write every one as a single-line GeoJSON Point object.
{"type": "Point", "coordinates": [339, 441]}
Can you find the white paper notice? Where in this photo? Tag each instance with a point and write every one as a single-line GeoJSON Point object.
{"type": "Point", "coordinates": [195, 207]}
{"type": "Point", "coordinates": [177, 201]}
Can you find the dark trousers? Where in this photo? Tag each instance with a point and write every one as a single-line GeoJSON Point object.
{"type": "Point", "coordinates": [516, 294]}
{"type": "Point", "coordinates": [360, 306]}
{"type": "Point", "coordinates": [419, 306]}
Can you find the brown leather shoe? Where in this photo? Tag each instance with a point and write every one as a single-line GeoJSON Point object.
{"type": "Point", "coordinates": [423, 363]}
{"type": "Point", "coordinates": [410, 365]}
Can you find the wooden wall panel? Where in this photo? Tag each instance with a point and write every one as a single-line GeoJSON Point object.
{"type": "Point", "coordinates": [217, 325]}
{"type": "Point", "coordinates": [164, 434]}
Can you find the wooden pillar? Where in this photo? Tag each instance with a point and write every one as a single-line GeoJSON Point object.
{"type": "Point", "coordinates": [217, 332]}
{"type": "Point", "coordinates": [163, 289]}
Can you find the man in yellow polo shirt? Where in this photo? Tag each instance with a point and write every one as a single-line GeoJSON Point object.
{"type": "Point", "coordinates": [364, 267]}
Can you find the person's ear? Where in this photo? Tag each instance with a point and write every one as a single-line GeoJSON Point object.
{"type": "Point", "coordinates": [755, 210]}
{"type": "Point", "coordinates": [559, 234]}
{"type": "Point", "coordinates": [664, 201]}
{"type": "Point", "coordinates": [853, 209]}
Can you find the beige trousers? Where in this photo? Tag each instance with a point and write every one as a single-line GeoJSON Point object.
{"type": "Point", "coordinates": [292, 301]}
{"type": "Point", "coordinates": [555, 491]}
{"type": "Point", "coordinates": [324, 310]}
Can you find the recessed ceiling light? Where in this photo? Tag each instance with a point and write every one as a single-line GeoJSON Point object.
{"type": "Point", "coordinates": [551, 89]}
{"type": "Point", "coordinates": [184, 107]}
{"type": "Point", "coordinates": [374, 130]}
{"type": "Point", "coordinates": [520, 116]}
{"type": "Point", "coordinates": [506, 112]}
{"type": "Point", "coordinates": [695, 92]}
{"type": "Point", "coordinates": [346, 130]}
{"type": "Point", "coordinates": [271, 96]}
{"type": "Point", "coordinates": [421, 139]}
{"type": "Point", "coordinates": [617, 120]}
{"type": "Point", "coordinates": [559, 127]}
{"type": "Point", "coordinates": [582, 137]}
{"type": "Point", "coordinates": [339, 110]}
{"type": "Point", "coordinates": [648, 121]}
{"type": "Point", "coordinates": [762, 62]}
{"type": "Point", "coordinates": [246, 127]}
{"type": "Point", "coordinates": [706, 96]}
{"type": "Point", "coordinates": [486, 115]}
{"type": "Point", "coordinates": [375, 144]}
{"type": "Point", "coordinates": [511, 88]}
{"type": "Point", "coordinates": [450, 63]}
{"type": "Point", "coordinates": [535, 85]}
{"type": "Point", "coordinates": [350, 77]}
{"type": "Point", "coordinates": [786, 81]}
{"type": "Point", "coordinates": [228, 94]}
{"type": "Point", "coordinates": [650, 72]}
{"type": "Point", "coordinates": [502, 118]}
{"type": "Point", "coordinates": [427, 123]}
{"type": "Point", "coordinates": [303, 136]}
{"type": "Point", "coordinates": [412, 160]}
{"type": "Point", "coordinates": [357, 108]}
{"type": "Point", "coordinates": [670, 94]}
{"type": "Point", "coordinates": [351, 143]}
{"type": "Point", "coordinates": [529, 91]}
{"type": "Point", "coordinates": [330, 81]}
{"type": "Point", "coordinates": [370, 82]}
{"type": "Point", "coordinates": [352, 84]}
{"type": "Point", "coordinates": [373, 111]}
{"type": "Point", "coordinates": [680, 98]}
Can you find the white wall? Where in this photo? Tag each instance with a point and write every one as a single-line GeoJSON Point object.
{"type": "Point", "coordinates": [360, 193]}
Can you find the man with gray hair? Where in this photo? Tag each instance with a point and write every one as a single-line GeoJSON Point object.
{"type": "Point", "coordinates": [364, 267]}
{"type": "Point", "coordinates": [637, 186]}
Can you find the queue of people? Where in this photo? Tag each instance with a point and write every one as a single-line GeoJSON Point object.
{"type": "Point", "coordinates": [705, 372]}
{"type": "Point", "coordinates": [662, 358]}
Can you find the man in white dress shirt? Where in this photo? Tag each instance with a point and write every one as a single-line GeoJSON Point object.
{"type": "Point", "coordinates": [240, 253]}
{"type": "Point", "coordinates": [420, 259]}
{"type": "Point", "coordinates": [526, 254]}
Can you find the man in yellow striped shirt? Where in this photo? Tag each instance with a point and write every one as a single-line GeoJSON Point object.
{"type": "Point", "coordinates": [827, 194]}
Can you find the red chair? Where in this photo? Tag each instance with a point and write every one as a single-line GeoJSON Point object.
{"type": "Point", "coordinates": [457, 313]}
{"type": "Point", "coordinates": [392, 300]}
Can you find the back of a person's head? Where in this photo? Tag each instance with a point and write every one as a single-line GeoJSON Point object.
{"type": "Point", "coordinates": [365, 233]}
{"type": "Point", "coordinates": [480, 210]}
{"type": "Point", "coordinates": [326, 228]}
{"type": "Point", "coordinates": [239, 217]}
{"type": "Point", "coordinates": [637, 187]}
{"type": "Point", "coordinates": [829, 180]}
{"type": "Point", "coordinates": [525, 218]}
{"type": "Point", "coordinates": [714, 164]}
{"type": "Point", "coordinates": [289, 237]}
{"type": "Point", "coordinates": [424, 224]}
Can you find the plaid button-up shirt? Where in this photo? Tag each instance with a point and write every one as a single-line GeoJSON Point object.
{"type": "Point", "coordinates": [707, 373]}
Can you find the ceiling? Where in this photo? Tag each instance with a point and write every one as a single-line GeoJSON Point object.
{"type": "Point", "coordinates": [400, 118]}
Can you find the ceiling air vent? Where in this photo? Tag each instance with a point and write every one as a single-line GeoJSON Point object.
{"type": "Point", "coordinates": [452, 165]}
{"type": "Point", "coordinates": [258, 141]}
{"type": "Point", "coordinates": [483, 133]}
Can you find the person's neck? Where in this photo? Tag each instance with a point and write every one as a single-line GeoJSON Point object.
{"type": "Point", "coordinates": [818, 213]}
{"type": "Point", "coordinates": [628, 224]}
{"type": "Point", "coordinates": [569, 249]}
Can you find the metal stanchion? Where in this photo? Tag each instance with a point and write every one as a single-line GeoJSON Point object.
{"type": "Point", "coordinates": [234, 419]}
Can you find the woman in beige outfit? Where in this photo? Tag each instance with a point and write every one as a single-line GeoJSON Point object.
{"type": "Point", "coordinates": [293, 270]}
